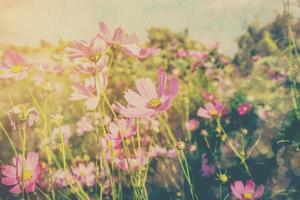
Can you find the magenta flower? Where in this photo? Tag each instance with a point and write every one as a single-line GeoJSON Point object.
{"type": "Point", "coordinates": [85, 174]}
{"type": "Point", "coordinates": [149, 101]}
{"type": "Point", "coordinates": [90, 91]}
{"type": "Point", "coordinates": [192, 124]}
{"type": "Point", "coordinates": [246, 192]}
{"type": "Point", "coordinates": [126, 127]}
{"type": "Point", "coordinates": [206, 169]}
{"type": "Point", "coordinates": [244, 108]}
{"type": "Point", "coordinates": [119, 39]}
{"type": "Point", "coordinates": [211, 110]}
{"type": "Point", "coordinates": [82, 49]}
{"type": "Point", "coordinates": [22, 175]}
{"type": "Point", "coordinates": [14, 66]}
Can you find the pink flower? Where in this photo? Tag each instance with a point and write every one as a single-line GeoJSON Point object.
{"type": "Point", "coordinates": [145, 53]}
{"type": "Point", "coordinates": [208, 96]}
{"type": "Point", "coordinates": [211, 110]}
{"type": "Point", "coordinates": [192, 124]}
{"type": "Point", "coordinates": [133, 163]}
{"type": "Point", "coordinates": [149, 101]}
{"type": "Point", "coordinates": [157, 151]}
{"type": "Point", "coordinates": [246, 192]}
{"type": "Point", "coordinates": [60, 178]}
{"type": "Point", "coordinates": [85, 124]}
{"type": "Point", "coordinates": [85, 174]}
{"type": "Point", "coordinates": [172, 153]}
{"type": "Point", "coordinates": [206, 169]}
{"type": "Point", "coordinates": [22, 175]}
{"type": "Point", "coordinates": [89, 68]}
{"type": "Point", "coordinates": [183, 53]}
{"type": "Point", "coordinates": [82, 49]}
{"type": "Point", "coordinates": [19, 114]}
{"type": "Point", "coordinates": [90, 91]}
{"type": "Point", "coordinates": [126, 127]}
{"type": "Point", "coordinates": [119, 39]}
{"type": "Point", "coordinates": [14, 66]}
{"type": "Point", "coordinates": [244, 108]}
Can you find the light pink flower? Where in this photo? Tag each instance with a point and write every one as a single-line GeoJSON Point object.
{"type": "Point", "coordinates": [19, 114]}
{"type": "Point", "coordinates": [211, 110]}
{"type": "Point", "coordinates": [183, 53]}
{"type": "Point", "coordinates": [192, 124]}
{"type": "Point", "coordinates": [133, 163]}
{"type": "Point", "coordinates": [122, 127]}
{"type": "Point", "coordinates": [88, 68]}
{"type": "Point", "coordinates": [206, 169]}
{"type": "Point", "coordinates": [13, 66]}
{"type": "Point", "coordinates": [90, 91]}
{"type": "Point", "coordinates": [91, 51]}
{"type": "Point", "coordinates": [244, 108]}
{"type": "Point", "coordinates": [85, 174]}
{"type": "Point", "coordinates": [60, 178]}
{"type": "Point", "coordinates": [149, 101]}
{"type": "Point", "coordinates": [145, 53]}
{"type": "Point", "coordinates": [22, 175]}
{"type": "Point", "coordinates": [172, 153]}
{"type": "Point", "coordinates": [246, 192]}
{"type": "Point", "coordinates": [119, 39]}
{"type": "Point", "coordinates": [85, 124]}
{"type": "Point", "coordinates": [157, 151]}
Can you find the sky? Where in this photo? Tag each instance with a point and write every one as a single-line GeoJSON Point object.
{"type": "Point", "coordinates": [26, 22]}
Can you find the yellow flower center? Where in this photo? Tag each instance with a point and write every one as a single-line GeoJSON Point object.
{"type": "Point", "coordinates": [16, 68]}
{"type": "Point", "coordinates": [82, 173]}
{"type": "Point", "coordinates": [154, 103]}
{"type": "Point", "coordinates": [213, 112]}
{"type": "Point", "coordinates": [95, 58]}
{"type": "Point", "coordinates": [247, 195]}
{"type": "Point", "coordinates": [27, 175]}
{"type": "Point", "coordinates": [223, 178]}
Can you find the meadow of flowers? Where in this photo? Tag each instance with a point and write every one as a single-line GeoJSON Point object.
{"type": "Point", "coordinates": [167, 118]}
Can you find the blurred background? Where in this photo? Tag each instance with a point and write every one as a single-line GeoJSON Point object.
{"type": "Point", "coordinates": [27, 22]}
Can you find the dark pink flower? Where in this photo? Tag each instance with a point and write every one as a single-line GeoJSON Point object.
{"type": "Point", "coordinates": [192, 124]}
{"type": "Point", "coordinates": [23, 174]}
{"type": "Point", "coordinates": [247, 191]}
{"type": "Point", "coordinates": [244, 108]}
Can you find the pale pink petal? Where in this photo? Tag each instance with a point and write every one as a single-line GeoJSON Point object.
{"type": "Point", "coordinates": [119, 35]}
{"type": "Point", "coordinates": [113, 128]}
{"type": "Point", "coordinates": [250, 186]}
{"type": "Point", "coordinates": [104, 32]}
{"type": "Point", "coordinates": [259, 191]}
{"type": "Point", "coordinates": [30, 186]}
{"type": "Point", "coordinates": [161, 82]}
{"type": "Point", "coordinates": [32, 160]}
{"type": "Point", "coordinates": [203, 113]}
{"type": "Point", "coordinates": [134, 99]}
{"type": "Point", "coordinates": [172, 90]}
{"type": "Point", "coordinates": [137, 112]}
{"type": "Point", "coordinates": [164, 106]}
{"type": "Point", "coordinates": [92, 102]}
{"type": "Point", "coordinates": [133, 39]}
{"type": "Point", "coordinates": [146, 88]}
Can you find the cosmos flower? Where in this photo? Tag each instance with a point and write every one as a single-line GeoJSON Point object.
{"type": "Point", "coordinates": [119, 38]}
{"type": "Point", "coordinates": [88, 68]}
{"type": "Point", "coordinates": [22, 175]}
{"type": "Point", "coordinates": [183, 53]}
{"type": "Point", "coordinates": [208, 96]}
{"type": "Point", "coordinates": [149, 101]}
{"type": "Point", "coordinates": [244, 108]}
{"type": "Point", "coordinates": [13, 66]}
{"type": "Point", "coordinates": [192, 124]}
{"type": "Point", "coordinates": [90, 51]}
{"type": "Point", "coordinates": [145, 53]}
{"type": "Point", "coordinates": [206, 169]}
{"type": "Point", "coordinates": [133, 163]}
{"type": "Point", "coordinates": [126, 127]}
{"type": "Point", "coordinates": [90, 91]}
{"type": "Point", "coordinates": [211, 110]}
{"type": "Point", "coordinates": [19, 114]}
{"type": "Point", "coordinates": [247, 191]}
{"type": "Point", "coordinates": [85, 174]}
